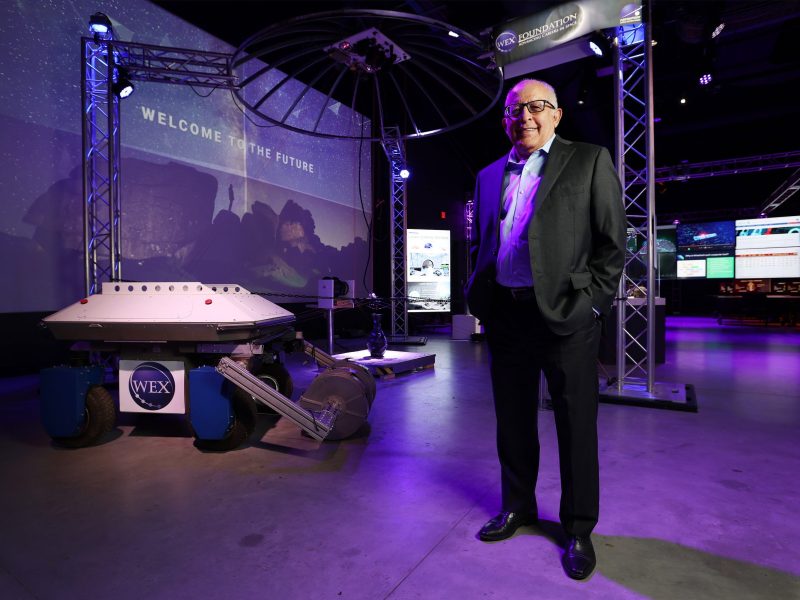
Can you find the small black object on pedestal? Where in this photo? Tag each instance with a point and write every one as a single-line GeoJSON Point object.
{"type": "Point", "coordinates": [376, 342]}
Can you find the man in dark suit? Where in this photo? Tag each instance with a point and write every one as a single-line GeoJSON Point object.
{"type": "Point", "coordinates": [548, 248]}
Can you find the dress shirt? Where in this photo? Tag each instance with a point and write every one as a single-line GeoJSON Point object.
{"type": "Point", "coordinates": [524, 177]}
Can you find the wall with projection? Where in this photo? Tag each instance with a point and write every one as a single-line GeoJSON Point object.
{"type": "Point", "coordinates": [246, 203]}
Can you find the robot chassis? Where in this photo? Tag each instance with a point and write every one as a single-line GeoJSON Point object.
{"type": "Point", "coordinates": [206, 351]}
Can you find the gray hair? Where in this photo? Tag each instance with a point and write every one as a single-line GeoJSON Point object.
{"type": "Point", "coordinates": [544, 84]}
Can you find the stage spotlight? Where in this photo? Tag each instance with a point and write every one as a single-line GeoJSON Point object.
{"type": "Point", "coordinates": [598, 44]}
{"type": "Point", "coordinates": [705, 66]}
{"type": "Point", "coordinates": [122, 86]}
{"type": "Point", "coordinates": [405, 173]}
{"type": "Point", "coordinates": [717, 30]}
{"type": "Point", "coordinates": [100, 24]}
{"type": "Point", "coordinates": [452, 33]}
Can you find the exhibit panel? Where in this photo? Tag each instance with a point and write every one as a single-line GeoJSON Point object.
{"type": "Point", "coordinates": [428, 259]}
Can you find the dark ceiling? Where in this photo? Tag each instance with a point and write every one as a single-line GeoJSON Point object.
{"type": "Point", "coordinates": [750, 109]}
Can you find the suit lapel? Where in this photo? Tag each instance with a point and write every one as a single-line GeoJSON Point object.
{"type": "Point", "coordinates": [560, 153]}
{"type": "Point", "coordinates": [494, 205]}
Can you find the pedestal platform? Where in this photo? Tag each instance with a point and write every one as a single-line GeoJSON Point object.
{"type": "Point", "coordinates": [392, 363]}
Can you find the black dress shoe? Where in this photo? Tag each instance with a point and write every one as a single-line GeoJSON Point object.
{"type": "Point", "coordinates": [579, 559]}
{"type": "Point", "coordinates": [504, 525]}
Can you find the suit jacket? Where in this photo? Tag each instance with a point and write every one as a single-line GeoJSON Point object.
{"type": "Point", "coordinates": [576, 237]}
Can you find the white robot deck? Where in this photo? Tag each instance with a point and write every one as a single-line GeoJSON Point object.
{"type": "Point", "coordinates": [160, 312]}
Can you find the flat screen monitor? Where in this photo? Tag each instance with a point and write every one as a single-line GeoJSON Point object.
{"type": "Point", "coordinates": [666, 252]}
{"type": "Point", "coordinates": [720, 267]}
{"type": "Point", "coordinates": [691, 269]}
{"type": "Point", "coordinates": [749, 286]}
{"type": "Point", "coordinates": [706, 250]}
{"type": "Point", "coordinates": [428, 259]}
{"type": "Point", "coordinates": [768, 248]}
{"type": "Point", "coordinates": [790, 287]}
{"type": "Point", "coordinates": [701, 240]}
{"type": "Point", "coordinates": [667, 249]}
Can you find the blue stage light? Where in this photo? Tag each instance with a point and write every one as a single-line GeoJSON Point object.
{"type": "Point", "coordinates": [100, 24]}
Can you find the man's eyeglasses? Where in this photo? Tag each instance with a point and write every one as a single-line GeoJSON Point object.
{"type": "Point", "coordinates": [534, 106]}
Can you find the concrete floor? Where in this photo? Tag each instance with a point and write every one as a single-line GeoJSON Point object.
{"type": "Point", "coordinates": [693, 506]}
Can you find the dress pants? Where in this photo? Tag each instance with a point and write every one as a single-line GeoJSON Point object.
{"type": "Point", "coordinates": [521, 347]}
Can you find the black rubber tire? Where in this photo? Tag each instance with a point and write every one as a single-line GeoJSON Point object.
{"type": "Point", "coordinates": [100, 417]}
{"type": "Point", "coordinates": [244, 423]}
{"type": "Point", "coordinates": [277, 376]}
{"type": "Point", "coordinates": [246, 412]}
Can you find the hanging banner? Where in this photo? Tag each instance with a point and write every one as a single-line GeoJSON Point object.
{"type": "Point", "coordinates": [527, 36]}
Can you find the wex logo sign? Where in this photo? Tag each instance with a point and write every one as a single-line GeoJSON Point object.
{"type": "Point", "coordinates": [506, 41]}
{"type": "Point", "coordinates": [151, 386]}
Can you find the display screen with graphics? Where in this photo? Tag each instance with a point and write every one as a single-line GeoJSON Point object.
{"type": "Point", "coordinates": [208, 193]}
{"type": "Point", "coordinates": [705, 249]}
{"type": "Point", "coordinates": [691, 268]}
{"type": "Point", "coordinates": [720, 267]}
{"type": "Point", "coordinates": [667, 247]}
{"type": "Point", "coordinates": [666, 253]}
{"type": "Point", "coordinates": [768, 247]}
{"type": "Point", "coordinates": [749, 286]}
{"type": "Point", "coordinates": [428, 261]}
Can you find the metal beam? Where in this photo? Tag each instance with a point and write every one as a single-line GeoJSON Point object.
{"type": "Point", "coordinates": [393, 147]}
{"type": "Point", "coordinates": [729, 166]}
{"type": "Point", "coordinates": [162, 64]}
{"type": "Point", "coordinates": [785, 191]}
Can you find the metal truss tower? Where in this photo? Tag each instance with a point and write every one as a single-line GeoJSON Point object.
{"type": "Point", "coordinates": [393, 146]}
{"type": "Point", "coordinates": [635, 379]}
{"type": "Point", "coordinates": [101, 184]}
{"type": "Point", "coordinates": [103, 59]}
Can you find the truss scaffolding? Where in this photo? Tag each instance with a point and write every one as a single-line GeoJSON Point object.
{"type": "Point", "coordinates": [101, 184]}
{"type": "Point", "coordinates": [635, 374]}
{"type": "Point", "coordinates": [729, 166]}
{"type": "Point", "coordinates": [103, 60]}
{"type": "Point", "coordinates": [785, 191]}
{"type": "Point", "coordinates": [181, 66]}
{"type": "Point", "coordinates": [393, 147]}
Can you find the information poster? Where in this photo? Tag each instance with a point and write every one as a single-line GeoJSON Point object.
{"type": "Point", "coordinates": [428, 262]}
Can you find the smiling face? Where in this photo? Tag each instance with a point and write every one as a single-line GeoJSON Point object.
{"type": "Point", "coordinates": [530, 131]}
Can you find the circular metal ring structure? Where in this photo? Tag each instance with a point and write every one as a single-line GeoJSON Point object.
{"type": "Point", "coordinates": [354, 74]}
